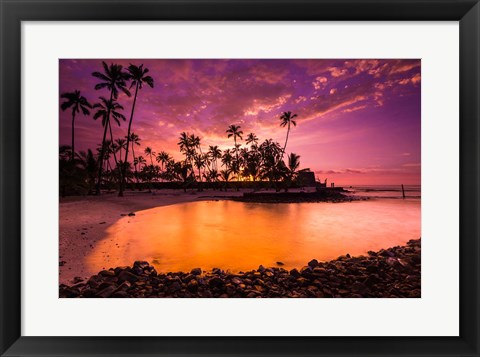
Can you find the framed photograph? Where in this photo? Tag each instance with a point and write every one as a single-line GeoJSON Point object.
{"type": "Point", "coordinates": [248, 178]}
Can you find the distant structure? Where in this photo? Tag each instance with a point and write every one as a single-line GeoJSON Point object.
{"type": "Point", "coordinates": [306, 178]}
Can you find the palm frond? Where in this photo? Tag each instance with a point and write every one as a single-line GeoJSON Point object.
{"type": "Point", "coordinates": [101, 76]}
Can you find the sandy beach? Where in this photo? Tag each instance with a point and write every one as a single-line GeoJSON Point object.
{"type": "Point", "coordinates": [84, 221]}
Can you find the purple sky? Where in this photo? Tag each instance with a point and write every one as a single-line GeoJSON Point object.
{"type": "Point", "coordinates": [358, 120]}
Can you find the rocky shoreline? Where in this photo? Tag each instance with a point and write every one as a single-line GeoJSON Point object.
{"type": "Point", "coordinates": [388, 273]}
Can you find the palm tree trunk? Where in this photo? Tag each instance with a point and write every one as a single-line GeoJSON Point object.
{"type": "Point", "coordinates": [134, 164]}
{"type": "Point", "coordinates": [236, 157]}
{"type": "Point", "coordinates": [100, 159]}
{"type": "Point", "coordinates": [124, 168]}
{"type": "Point", "coordinates": [102, 152]}
{"type": "Point", "coordinates": [111, 139]}
{"type": "Point", "coordinates": [73, 135]}
{"type": "Point", "coordinates": [286, 139]}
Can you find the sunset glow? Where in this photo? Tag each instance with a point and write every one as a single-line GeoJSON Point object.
{"type": "Point", "coordinates": [358, 120]}
{"type": "Point", "coordinates": [220, 238]}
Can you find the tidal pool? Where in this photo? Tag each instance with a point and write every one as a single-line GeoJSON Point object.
{"type": "Point", "coordinates": [239, 236]}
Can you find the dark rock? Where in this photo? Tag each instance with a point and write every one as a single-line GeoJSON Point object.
{"type": "Point", "coordinates": [215, 282]}
{"type": "Point", "coordinates": [306, 272]}
{"type": "Point", "coordinates": [372, 280]}
{"type": "Point", "coordinates": [94, 281]}
{"type": "Point", "coordinates": [107, 292]}
{"type": "Point", "coordinates": [280, 263]}
{"type": "Point", "coordinates": [137, 271]}
{"type": "Point", "coordinates": [386, 253]}
{"type": "Point", "coordinates": [78, 286]}
{"type": "Point", "coordinates": [141, 264]}
{"type": "Point", "coordinates": [77, 280]}
{"type": "Point", "coordinates": [359, 288]}
{"type": "Point", "coordinates": [236, 281]}
{"type": "Point", "coordinates": [89, 293]}
{"type": "Point", "coordinates": [196, 271]}
{"type": "Point", "coordinates": [107, 273]}
{"type": "Point", "coordinates": [124, 286]}
{"type": "Point", "coordinates": [295, 273]}
{"type": "Point", "coordinates": [68, 292]}
{"type": "Point", "coordinates": [206, 294]}
{"type": "Point", "coordinates": [120, 294]}
{"type": "Point", "coordinates": [187, 278]}
{"type": "Point", "coordinates": [217, 271]}
{"type": "Point", "coordinates": [104, 285]}
{"type": "Point", "coordinates": [319, 271]}
{"type": "Point", "coordinates": [131, 214]}
{"type": "Point", "coordinates": [192, 285]}
{"type": "Point", "coordinates": [127, 276]}
{"type": "Point", "coordinates": [313, 263]}
{"type": "Point", "coordinates": [118, 270]}
{"type": "Point", "coordinates": [176, 286]}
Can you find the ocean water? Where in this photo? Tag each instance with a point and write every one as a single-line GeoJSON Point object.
{"type": "Point", "coordinates": [386, 191]}
{"type": "Point", "coordinates": [240, 236]}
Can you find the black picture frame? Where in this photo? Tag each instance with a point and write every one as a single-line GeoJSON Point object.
{"type": "Point", "coordinates": [12, 12]}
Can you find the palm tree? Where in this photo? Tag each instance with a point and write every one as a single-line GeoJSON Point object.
{"type": "Point", "coordinates": [227, 159]}
{"type": "Point", "coordinates": [234, 130]}
{"type": "Point", "coordinates": [212, 177]}
{"type": "Point", "coordinates": [108, 153]}
{"type": "Point", "coordinates": [134, 140]}
{"type": "Point", "coordinates": [183, 142]}
{"type": "Point", "coordinates": [121, 143]}
{"type": "Point", "coordinates": [287, 120]}
{"type": "Point", "coordinates": [225, 175]}
{"type": "Point", "coordinates": [215, 153]}
{"type": "Point", "coordinates": [200, 160]}
{"type": "Point", "coordinates": [252, 165]}
{"type": "Point", "coordinates": [170, 170]}
{"type": "Point", "coordinates": [106, 109]}
{"type": "Point", "coordinates": [252, 139]}
{"type": "Point", "coordinates": [114, 79]}
{"type": "Point", "coordinates": [148, 151]}
{"type": "Point", "coordinates": [163, 158]}
{"type": "Point", "coordinates": [183, 172]}
{"type": "Point", "coordinates": [291, 170]}
{"type": "Point", "coordinates": [137, 75]}
{"type": "Point", "coordinates": [77, 102]}
{"type": "Point", "coordinates": [88, 163]}
{"type": "Point", "coordinates": [141, 161]}
{"type": "Point", "coordinates": [188, 145]}
{"type": "Point", "coordinates": [270, 153]}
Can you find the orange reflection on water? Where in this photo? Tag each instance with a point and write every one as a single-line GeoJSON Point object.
{"type": "Point", "coordinates": [240, 236]}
